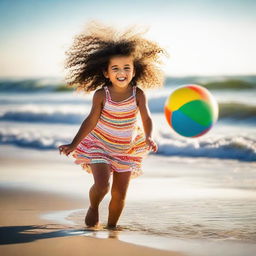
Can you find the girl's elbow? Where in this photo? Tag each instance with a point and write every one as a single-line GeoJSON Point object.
{"type": "Point", "coordinates": [94, 120]}
{"type": "Point", "coordinates": [90, 121]}
{"type": "Point", "coordinates": [148, 120]}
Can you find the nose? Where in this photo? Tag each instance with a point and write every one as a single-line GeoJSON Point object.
{"type": "Point", "coordinates": [120, 71]}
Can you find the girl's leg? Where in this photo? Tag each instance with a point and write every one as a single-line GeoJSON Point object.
{"type": "Point", "coordinates": [118, 193]}
{"type": "Point", "coordinates": [101, 175]}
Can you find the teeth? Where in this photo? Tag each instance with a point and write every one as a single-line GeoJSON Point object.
{"type": "Point", "coordinates": [121, 79]}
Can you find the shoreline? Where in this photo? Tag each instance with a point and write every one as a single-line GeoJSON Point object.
{"type": "Point", "coordinates": [39, 184]}
{"type": "Point", "coordinates": [33, 185]}
{"type": "Point", "coordinates": [24, 232]}
{"type": "Point", "coordinates": [192, 247]}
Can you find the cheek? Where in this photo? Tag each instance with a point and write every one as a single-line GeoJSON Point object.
{"type": "Point", "coordinates": [111, 74]}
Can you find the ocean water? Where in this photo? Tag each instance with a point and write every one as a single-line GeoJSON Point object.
{"type": "Point", "coordinates": [204, 188]}
{"type": "Point", "coordinates": [43, 119]}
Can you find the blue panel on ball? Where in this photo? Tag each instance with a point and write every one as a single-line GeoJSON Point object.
{"type": "Point", "coordinates": [185, 126]}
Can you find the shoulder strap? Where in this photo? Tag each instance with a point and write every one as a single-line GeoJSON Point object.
{"type": "Point", "coordinates": [107, 92]}
{"type": "Point", "coordinates": [134, 90]}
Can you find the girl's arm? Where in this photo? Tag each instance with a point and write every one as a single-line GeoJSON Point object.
{"type": "Point", "coordinates": [88, 124]}
{"type": "Point", "coordinates": [146, 119]}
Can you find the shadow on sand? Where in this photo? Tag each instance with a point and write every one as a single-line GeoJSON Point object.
{"type": "Point", "coordinates": [30, 233]}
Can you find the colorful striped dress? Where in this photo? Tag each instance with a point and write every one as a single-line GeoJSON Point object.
{"type": "Point", "coordinates": [116, 140]}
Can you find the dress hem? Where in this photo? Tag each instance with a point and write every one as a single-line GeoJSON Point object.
{"type": "Point", "coordinates": [86, 166]}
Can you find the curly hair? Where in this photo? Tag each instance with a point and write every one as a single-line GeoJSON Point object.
{"type": "Point", "coordinates": [92, 49]}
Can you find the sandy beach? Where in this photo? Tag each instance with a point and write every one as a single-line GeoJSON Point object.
{"type": "Point", "coordinates": [44, 198]}
{"type": "Point", "coordinates": [24, 232]}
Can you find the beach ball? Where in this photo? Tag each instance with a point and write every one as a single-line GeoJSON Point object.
{"type": "Point", "coordinates": [191, 110]}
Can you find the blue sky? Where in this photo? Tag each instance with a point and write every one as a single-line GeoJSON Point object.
{"type": "Point", "coordinates": [203, 37]}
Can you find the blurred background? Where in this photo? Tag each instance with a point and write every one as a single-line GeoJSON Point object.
{"type": "Point", "coordinates": [211, 43]}
{"type": "Point", "coordinates": [205, 187]}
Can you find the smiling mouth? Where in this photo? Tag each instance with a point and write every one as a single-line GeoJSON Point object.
{"type": "Point", "coordinates": [121, 79]}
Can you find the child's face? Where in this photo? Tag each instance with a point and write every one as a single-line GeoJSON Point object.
{"type": "Point", "coordinates": [120, 70]}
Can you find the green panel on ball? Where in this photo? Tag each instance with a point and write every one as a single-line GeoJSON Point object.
{"type": "Point", "coordinates": [199, 111]}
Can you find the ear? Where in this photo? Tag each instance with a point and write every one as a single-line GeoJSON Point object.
{"type": "Point", "coordinates": [133, 75]}
{"type": "Point", "coordinates": [105, 73]}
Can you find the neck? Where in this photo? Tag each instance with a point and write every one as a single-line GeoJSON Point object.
{"type": "Point", "coordinates": [121, 89]}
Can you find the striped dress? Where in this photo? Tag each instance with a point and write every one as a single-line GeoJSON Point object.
{"type": "Point", "coordinates": [116, 140]}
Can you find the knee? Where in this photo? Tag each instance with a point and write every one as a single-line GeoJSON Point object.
{"type": "Point", "coordinates": [118, 195]}
{"type": "Point", "coordinates": [102, 188]}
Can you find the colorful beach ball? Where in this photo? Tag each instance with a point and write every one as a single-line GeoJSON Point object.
{"type": "Point", "coordinates": [191, 110]}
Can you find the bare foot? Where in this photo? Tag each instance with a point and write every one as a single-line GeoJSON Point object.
{"type": "Point", "coordinates": [111, 227]}
{"type": "Point", "coordinates": [92, 217]}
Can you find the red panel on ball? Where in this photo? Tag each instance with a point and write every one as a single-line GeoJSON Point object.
{"type": "Point", "coordinates": [201, 92]}
{"type": "Point", "coordinates": [168, 115]}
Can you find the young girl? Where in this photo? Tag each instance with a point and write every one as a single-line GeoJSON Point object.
{"type": "Point", "coordinates": [109, 140]}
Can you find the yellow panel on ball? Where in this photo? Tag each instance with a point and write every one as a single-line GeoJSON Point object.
{"type": "Point", "coordinates": [180, 97]}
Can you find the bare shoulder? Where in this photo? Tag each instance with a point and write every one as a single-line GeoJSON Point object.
{"type": "Point", "coordinates": [99, 95]}
{"type": "Point", "coordinates": [140, 96]}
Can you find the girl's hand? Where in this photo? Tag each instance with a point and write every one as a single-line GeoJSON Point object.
{"type": "Point", "coordinates": [66, 149]}
{"type": "Point", "coordinates": [151, 144]}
